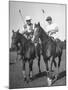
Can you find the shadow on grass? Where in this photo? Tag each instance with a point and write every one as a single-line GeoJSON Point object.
{"type": "Point", "coordinates": [42, 74]}
{"type": "Point", "coordinates": [60, 76]}
{"type": "Point", "coordinates": [39, 75]}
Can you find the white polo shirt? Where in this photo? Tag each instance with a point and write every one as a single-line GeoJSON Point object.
{"type": "Point", "coordinates": [50, 27]}
{"type": "Point", "coordinates": [28, 28]}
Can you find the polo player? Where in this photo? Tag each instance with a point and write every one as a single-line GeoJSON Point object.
{"type": "Point", "coordinates": [51, 28]}
{"type": "Point", "coordinates": [28, 28]}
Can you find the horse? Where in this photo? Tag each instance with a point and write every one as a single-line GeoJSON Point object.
{"type": "Point", "coordinates": [15, 46]}
{"type": "Point", "coordinates": [50, 48]}
{"type": "Point", "coordinates": [27, 51]}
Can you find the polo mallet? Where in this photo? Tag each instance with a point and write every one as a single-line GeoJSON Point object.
{"type": "Point", "coordinates": [21, 16]}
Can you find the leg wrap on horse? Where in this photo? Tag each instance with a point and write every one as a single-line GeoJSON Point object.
{"type": "Point", "coordinates": [30, 68]}
{"type": "Point", "coordinates": [24, 73]}
{"type": "Point", "coordinates": [30, 74]}
{"type": "Point", "coordinates": [36, 49]}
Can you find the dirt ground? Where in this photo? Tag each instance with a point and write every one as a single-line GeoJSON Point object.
{"type": "Point", "coordinates": [39, 80]}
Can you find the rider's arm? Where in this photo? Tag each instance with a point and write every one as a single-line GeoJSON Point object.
{"type": "Point", "coordinates": [53, 30]}
{"type": "Point", "coordinates": [56, 29]}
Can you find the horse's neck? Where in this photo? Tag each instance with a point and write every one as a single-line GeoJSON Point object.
{"type": "Point", "coordinates": [44, 36]}
{"type": "Point", "coordinates": [25, 41]}
{"type": "Point", "coordinates": [22, 39]}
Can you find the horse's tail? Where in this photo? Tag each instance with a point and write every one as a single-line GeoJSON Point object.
{"type": "Point", "coordinates": [62, 46]}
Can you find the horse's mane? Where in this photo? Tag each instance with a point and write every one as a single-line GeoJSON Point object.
{"type": "Point", "coordinates": [44, 33]}
{"type": "Point", "coordinates": [22, 36]}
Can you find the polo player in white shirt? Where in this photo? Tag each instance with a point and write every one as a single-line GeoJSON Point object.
{"type": "Point", "coordinates": [28, 28]}
{"type": "Point", "coordinates": [51, 28]}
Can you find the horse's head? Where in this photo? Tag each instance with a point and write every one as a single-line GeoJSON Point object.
{"type": "Point", "coordinates": [40, 32]}
{"type": "Point", "coordinates": [37, 27]}
{"type": "Point", "coordinates": [37, 30]}
{"type": "Point", "coordinates": [15, 38]}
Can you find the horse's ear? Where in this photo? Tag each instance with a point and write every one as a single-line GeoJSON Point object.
{"type": "Point", "coordinates": [35, 24]}
{"type": "Point", "coordinates": [18, 30]}
{"type": "Point", "coordinates": [39, 23]}
{"type": "Point", "coordinates": [13, 31]}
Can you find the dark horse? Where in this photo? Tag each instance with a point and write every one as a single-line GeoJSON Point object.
{"type": "Point", "coordinates": [27, 51]}
{"type": "Point", "coordinates": [50, 48]}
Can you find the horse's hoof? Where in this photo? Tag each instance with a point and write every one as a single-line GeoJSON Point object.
{"type": "Point", "coordinates": [56, 76]}
{"type": "Point", "coordinates": [49, 81]}
{"type": "Point", "coordinates": [30, 78]}
{"type": "Point", "coordinates": [30, 75]}
{"type": "Point", "coordinates": [52, 70]}
{"type": "Point", "coordinates": [25, 79]}
{"type": "Point", "coordinates": [15, 61]}
{"type": "Point", "coordinates": [47, 71]}
{"type": "Point", "coordinates": [39, 71]}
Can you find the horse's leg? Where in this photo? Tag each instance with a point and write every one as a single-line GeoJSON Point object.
{"type": "Point", "coordinates": [39, 63]}
{"type": "Point", "coordinates": [57, 72]}
{"type": "Point", "coordinates": [30, 68]}
{"type": "Point", "coordinates": [23, 71]}
{"type": "Point", "coordinates": [46, 62]}
{"type": "Point", "coordinates": [17, 56]}
{"type": "Point", "coordinates": [59, 57]}
{"type": "Point", "coordinates": [53, 61]}
{"type": "Point", "coordinates": [49, 80]}
{"type": "Point", "coordinates": [37, 53]}
{"type": "Point", "coordinates": [18, 59]}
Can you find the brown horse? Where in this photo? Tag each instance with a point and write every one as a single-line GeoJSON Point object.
{"type": "Point", "coordinates": [27, 51]}
{"type": "Point", "coordinates": [50, 48]}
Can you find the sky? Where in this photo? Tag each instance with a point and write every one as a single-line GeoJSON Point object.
{"type": "Point", "coordinates": [34, 10]}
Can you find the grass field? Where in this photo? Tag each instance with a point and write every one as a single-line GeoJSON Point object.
{"type": "Point", "coordinates": [16, 76]}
